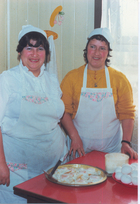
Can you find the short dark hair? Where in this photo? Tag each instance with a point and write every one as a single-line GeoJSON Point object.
{"type": "Point", "coordinates": [101, 38]}
{"type": "Point", "coordinates": [40, 40]}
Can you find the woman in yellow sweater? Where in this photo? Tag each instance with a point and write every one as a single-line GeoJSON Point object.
{"type": "Point", "coordinates": [97, 100]}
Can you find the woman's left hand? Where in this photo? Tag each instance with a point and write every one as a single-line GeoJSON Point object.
{"type": "Point", "coordinates": [127, 127]}
{"type": "Point", "coordinates": [126, 149]}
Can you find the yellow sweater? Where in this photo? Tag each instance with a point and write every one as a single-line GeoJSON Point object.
{"type": "Point", "coordinates": [122, 91]}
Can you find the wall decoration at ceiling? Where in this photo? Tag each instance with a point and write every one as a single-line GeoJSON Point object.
{"type": "Point", "coordinates": [57, 16]}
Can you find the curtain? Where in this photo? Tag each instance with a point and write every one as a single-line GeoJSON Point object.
{"type": "Point", "coordinates": [121, 17]}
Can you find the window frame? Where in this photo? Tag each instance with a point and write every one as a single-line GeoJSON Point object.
{"type": "Point", "coordinates": [97, 13]}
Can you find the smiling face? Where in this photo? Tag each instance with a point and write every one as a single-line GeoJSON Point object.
{"type": "Point", "coordinates": [33, 57]}
{"type": "Point", "coordinates": [97, 52]}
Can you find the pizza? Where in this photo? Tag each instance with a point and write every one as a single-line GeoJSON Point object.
{"type": "Point", "coordinates": [78, 175]}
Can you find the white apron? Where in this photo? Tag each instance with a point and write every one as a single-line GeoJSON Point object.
{"type": "Point", "coordinates": [35, 143]}
{"type": "Point", "coordinates": [96, 119]}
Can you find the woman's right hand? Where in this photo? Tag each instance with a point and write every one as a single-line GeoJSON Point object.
{"type": "Point", "coordinates": [4, 174]}
{"type": "Point", "coordinates": [77, 145]}
{"type": "Point", "coordinates": [76, 142]}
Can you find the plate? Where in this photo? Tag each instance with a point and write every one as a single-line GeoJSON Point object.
{"type": "Point", "coordinates": [119, 181]}
{"type": "Point", "coordinates": [76, 167]}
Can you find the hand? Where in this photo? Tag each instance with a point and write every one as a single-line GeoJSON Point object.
{"type": "Point", "coordinates": [77, 145]}
{"type": "Point", "coordinates": [127, 149]}
{"type": "Point", "coordinates": [4, 174]}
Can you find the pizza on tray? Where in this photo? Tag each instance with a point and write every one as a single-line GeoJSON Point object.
{"type": "Point", "coordinates": [78, 175]}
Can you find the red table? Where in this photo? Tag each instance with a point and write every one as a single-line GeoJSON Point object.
{"type": "Point", "coordinates": [39, 189]}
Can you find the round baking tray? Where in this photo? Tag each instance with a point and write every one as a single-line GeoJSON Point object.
{"type": "Point", "coordinates": [76, 166]}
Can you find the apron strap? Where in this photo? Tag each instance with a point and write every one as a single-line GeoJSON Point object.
{"type": "Point", "coordinates": [85, 77]}
{"type": "Point", "coordinates": [107, 77]}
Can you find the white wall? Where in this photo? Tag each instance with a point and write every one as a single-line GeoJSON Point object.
{"type": "Point", "coordinates": [72, 33]}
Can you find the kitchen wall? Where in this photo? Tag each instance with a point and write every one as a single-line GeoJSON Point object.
{"type": "Point", "coordinates": [72, 33]}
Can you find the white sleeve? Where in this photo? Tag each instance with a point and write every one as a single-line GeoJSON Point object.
{"type": "Point", "coordinates": [4, 95]}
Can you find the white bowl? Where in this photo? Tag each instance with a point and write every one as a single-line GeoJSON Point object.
{"type": "Point", "coordinates": [113, 160]}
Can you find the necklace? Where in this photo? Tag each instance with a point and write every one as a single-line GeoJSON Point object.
{"type": "Point", "coordinates": [94, 80]}
{"type": "Point", "coordinates": [95, 83]}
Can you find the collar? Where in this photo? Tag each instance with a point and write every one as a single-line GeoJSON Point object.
{"type": "Point", "coordinates": [25, 69]}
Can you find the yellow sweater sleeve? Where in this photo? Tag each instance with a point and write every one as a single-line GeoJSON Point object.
{"type": "Point", "coordinates": [122, 91]}
{"type": "Point", "coordinates": [71, 88]}
{"type": "Point", "coordinates": [123, 95]}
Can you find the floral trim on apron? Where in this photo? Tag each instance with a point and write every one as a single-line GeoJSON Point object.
{"type": "Point", "coordinates": [35, 99]}
{"type": "Point", "coordinates": [97, 97]}
{"type": "Point", "coordinates": [14, 166]}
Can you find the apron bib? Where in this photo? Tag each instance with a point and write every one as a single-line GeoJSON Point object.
{"type": "Point", "coordinates": [96, 119]}
{"type": "Point", "coordinates": [36, 142]}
